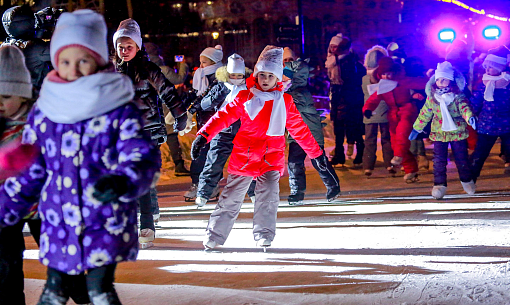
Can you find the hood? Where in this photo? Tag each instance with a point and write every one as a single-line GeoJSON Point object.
{"type": "Point", "coordinates": [459, 79]}
{"type": "Point", "coordinates": [19, 22]}
{"type": "Point", "coordinates": [373, 55]}
{"type": "Point", "coordinates": [301, 73]}
{"type": "Point", "coordinates": [222, 74]}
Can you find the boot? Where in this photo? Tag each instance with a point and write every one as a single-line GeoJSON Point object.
{"type": "Point", "coordinates": [264, 242]}
{"type": "Point", "coordinates": [337, 159]}
{"type": "Point", "coordinates": [411, 177]}
{"type": "Point", "coordinates": [209, 244]}
{"type": "Point", "coordinates": [333, 194]}
{"type": "Point", "coordinates": [368, 172]}
{"type": "Point", "coordinates": [216, 191]}
{"type": "Point", "coordinates": [438, 191]}
{"type": "Point", "coordinates": [106, 298]}
{"type": "Point", "coordinates": [396, 161]}
{"type": "Point", "coordinates": [49, 297]}
{"type": "Point", "coordinates": [423, 163]}
{"type": "Point", "coordinates": [296, 199]}
{"type": "Point", "coordinates": [200, 201]}
{"type": "Point", "coordinates": [180, 170]}
{"type": "Point", "coordinates": [191, 194]}
{"type": "Point", "coordinates": [146, 238]}
{"type": "Point", "coordinates": [391, 171]}
{"type": "Point", "coordinates": [469, 187]}
{"type": "Point", "coordinates": [350, 150]}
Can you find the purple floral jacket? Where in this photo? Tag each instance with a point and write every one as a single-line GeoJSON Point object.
{"type": "Point", "coordinates": [78, 232]}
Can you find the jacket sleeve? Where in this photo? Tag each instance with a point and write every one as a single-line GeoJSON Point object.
{"type": "Point", "coordinates": [464, 108]}
{"type": "Point", "coordinates": [426, 114]}
{"type": "Point", "coordinates": [477, 100]}
{"type": "Point", "coordinates": [224, 118]}
{"type": "Point", "coordinates": [300, 131]}
{"type": "Point", "coordinates": [215, 97]}
{"type": "Point", "coordinates": [166, 91]}
{"type": "Point", "coordinates": [372, 102]}
{"type": "Point", "coordinates": [138, 158]}
{"type": "Point", "coordinates": [176, 78]}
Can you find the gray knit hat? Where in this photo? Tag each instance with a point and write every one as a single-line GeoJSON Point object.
{"type": "Point", "coordinates": [128, 28]}
{"type": "Point", "coordinates": [14, 75]}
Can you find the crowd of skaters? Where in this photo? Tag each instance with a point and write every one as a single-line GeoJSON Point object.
{"type": "Point", "coordinates": [81, 133]}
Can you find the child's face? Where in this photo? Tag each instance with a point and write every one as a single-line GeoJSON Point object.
{"type": "Point", "coordinates": [126, 48]}
{"type": "Point", "coordinates": [10, 104]}
{"type": "Point", "coordinates": [74, 63]}
{"type": "Point", "coordinates": [491, 71]}
{"type": "Point", "coordinates": [205, 62]}
{"type": "Point", "coordinates": [236, 76]}
{"type": "Point", "coordinates": [266, 80]}
{"type": "Point", "coordinates": [442, 82]}
{"type": "Point", "coordinates": [388, 75]}
{"type": "Point", "coordinates": [333, 48]}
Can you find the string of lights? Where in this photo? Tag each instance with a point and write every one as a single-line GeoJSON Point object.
{"type": "Point", "coordinates": [472, 9]}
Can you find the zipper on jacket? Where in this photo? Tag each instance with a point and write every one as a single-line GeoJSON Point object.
{"type": "Point", "coordinates": [247, 161]}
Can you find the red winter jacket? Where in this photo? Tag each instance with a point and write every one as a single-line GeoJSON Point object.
{"type": "Point", "coordinates": [256, 153]}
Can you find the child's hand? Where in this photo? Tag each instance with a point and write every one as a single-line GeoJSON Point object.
{"type": "Point", "coordinates": [414, 134]}
{"type": "Point", "coordinates": [110, 187]}
{"type": "Point", "coordinates": [472, 122]}
{"type": "Point", "coordinates": [368, 114]}
{"type": "Point", "coordinates": [197, 145]}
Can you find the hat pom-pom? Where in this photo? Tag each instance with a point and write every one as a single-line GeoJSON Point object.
{"type": "Point", "coordinates": [218, 47]}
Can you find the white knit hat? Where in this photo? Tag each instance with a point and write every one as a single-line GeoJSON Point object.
{"type": "Point", "coordinates": [83, 28]}
{"type": "Point", "coordinates": [445, 70]}
{"type": "Point", "coordinates": [288, 53]}
{"type": "Point", "coordinates": [336, 39]}
{"type": "Point", "coordinates": [14, 75]}
{"type": "Point", "coordinates": [235, 64]}
{"type": "Point", "coordinates": [270, 60]}
{"type": "Point", "coordinates": [128, 28]}
{"type": "Point", "coordinates": [215, 54]}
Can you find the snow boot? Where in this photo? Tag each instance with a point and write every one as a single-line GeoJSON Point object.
{"type": "Point", "coordinates": [146, 238]}
{"type": "Point", "coordinates": [411, 177]}
{"type": "Point", "coordinates": [296, 199]}
{"type": "Point", "coordinates": [423, 163]}
{"type": "Point", "coordinates": [396, 161]}
{"type": "Point", "coordinates": [209, 244]}
{"type": "Point", "coordinates": [180, 170]}
{"type": "Point", "coordinates": [264, 243]}
{"type": "Point", "coordinates": [200, 201]}
{"type": "Point", "coordinates": [469, 187]}
{"type": "Point", "coordinates": [191, 194]}
{"type": "Point", "coordinates": [438, 191]}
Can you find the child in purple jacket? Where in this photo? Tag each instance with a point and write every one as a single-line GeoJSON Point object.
{"type": "Point", "coordinates": [95, 162]}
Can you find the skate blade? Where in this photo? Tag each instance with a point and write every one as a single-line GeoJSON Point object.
{"type": "Point", "coordinates": [146, 245]}
{"type": "Point", "coordinates": [188, 199]}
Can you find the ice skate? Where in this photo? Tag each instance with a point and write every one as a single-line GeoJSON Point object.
{"type": "Point", "coordinates": [156, 218]}
{"type": "Point", "coordinates": [333, 194]}
{"type": "Point", "coordinates": [191, 194]}
{"type": "Point", "coordinates": [146, 238]}
{"type": "Point", "coordinates": [469, 187]}
{"type": "Point", "coordinates": [391, 171]}
{"type": "Point", "coordinates": [368, 172]}
{"type": "Point", "coordinates": [209, 244]}
{"type": "Point", "coordinates": [200, 201]}
{"type": "Point", "coordinates": [216, 192]}
{"type": "Point", "coordinates": [411, 177]}
{"type": "Point", "coordinates": [396, 161]}
{"type": "Point", "coordinates": [252, 198]}
{"type": "Point", "coordinates": [296, 199]}
{"type": "Point", "coordinates": [438, 191]}
{"type": "Point", "coordinates": [180, 169]}
{"type": "Point", "coordinates": [264, 243]}
{"type": "Point", "coordinates": [423, 163]}
{"type": "Point", "coordinates": [350, 150]}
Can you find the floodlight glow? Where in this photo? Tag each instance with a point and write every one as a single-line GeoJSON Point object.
{"type": "Point", "coordinates": [492, 32]}
{"type": "Point", "coordinates": [447, 35]}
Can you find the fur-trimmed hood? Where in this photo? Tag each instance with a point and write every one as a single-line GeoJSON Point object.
{"type": "Point", "coordinates": [373, 55]}
{"type": "Point", "coordinates": [459, 79]}
{"type": "Point", "coordinates": [222, 74]}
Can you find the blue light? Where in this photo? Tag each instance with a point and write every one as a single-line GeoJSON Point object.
{"type": "Point", "coordinates": [446, 35]}
{"type": "Point", "coordinates": [492, 32]}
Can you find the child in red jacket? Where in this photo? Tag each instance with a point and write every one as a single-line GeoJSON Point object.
{"type": "Point", "coordinates": [259, 149]}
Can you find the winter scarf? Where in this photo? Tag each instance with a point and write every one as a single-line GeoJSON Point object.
{"type": "Point", "coordinates": [87, 97]}
{"type": "Point", "coordinates": [334, 72]}
{"type": "Point", "coordinates": [444, 100]}
{"type": "Point", "coordinates": [278, 113]}
{"type": "Point", "coordinates": [382, 87]}
{"type": "Point", "coordinates": [234, 90]}
{"type": "Point", "coordinates": [200, 81]}
{"type": "Point", "coordinates": [494, 82]}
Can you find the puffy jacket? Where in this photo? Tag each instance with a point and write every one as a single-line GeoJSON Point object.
{"type": "Point", "coordinates": [152, 87]}
{"type": "Point", "coordinates": [381, 112]}
{"type": "Point", "coordinates": [304, 101]}
{"type": "Point", "coordinates": [254, 152]}
{"type": "Point", "coordinates": [493, 117]}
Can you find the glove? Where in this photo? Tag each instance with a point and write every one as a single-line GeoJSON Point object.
{"type": "Point", "coordinates": [110, 187]}
{"type": "Point", "coordinates": [472, 122]}
{"type": "Point", "coordinates": [368, 114]}
{"type": "Point", "coordinates": [197, 145]}
{"type": "Point", "coordinates": [189, 125]}
{"type": "Point", "coordinates": [180, 123]}
{"type": "Point", "coordinates": [414, 134]}
{"type": "Point", "coordinates": [321, 162]}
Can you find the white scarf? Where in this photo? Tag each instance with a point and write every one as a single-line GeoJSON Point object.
{"type": "Point", "coordinates": [383, 86]}
{"type": "Point", "coordinates": [490, 84]}
{"type": "Point", "coordinates": [278, 113]}
{"type": "Point", "coordinates": [445, 100]}
{"type": "Point", "coordinates": [84, 98]}
{"type": "Point", "coordinates": [200, 81]}
{"type": "Point", "coordinates": [234, 90]}
{"type": "Point", "coordinates": [334, 72]}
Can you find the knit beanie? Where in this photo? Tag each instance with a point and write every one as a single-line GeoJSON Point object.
{"type": "Point", "coordinates": [215, 54]}
{"type": "Point", "coordinates": [288, 53]}
{"type": "Point", "coordinates": [128, 28]}
{"type": "Point", "coordinates": [14, 76]}
{"type": "Point", "coordinates": [270, 60]}
{"type": "Point", "coordinates": [83, 28]}
{"type": "Point", "coordinates": [373, 55]}
{"type": "Point", "coordinates": [336, 39]}
{"type": "Point", "coordinates": [235, 64]}
{"type": "Point", "coordinates": [445, 70]}
{"type": "Point", "coordinates": [497, 58]}
{"type": "Point", "coordinates": [385, 65]}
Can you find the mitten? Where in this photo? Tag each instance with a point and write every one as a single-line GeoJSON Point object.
{"type": "Point", "coordinates": [414, 134]}
{"type": "Point", "coordinates": [368, 114]}
{"type": "Point", "coordinates": [110, 187]}
{"type": "Point", "coordinates": [189, 125]}
{"type": "Point", "coordinates": [197, 145]}
{"type": "Point", "coordinates": [472, 122]}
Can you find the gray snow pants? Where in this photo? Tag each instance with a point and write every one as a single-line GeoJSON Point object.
{"type": "Point", "coordinates": [267, 197]}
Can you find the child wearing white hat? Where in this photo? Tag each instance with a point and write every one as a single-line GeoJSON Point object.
{"type": "Point", "coordinates": [259, 149]}
{"type": "Point", "coordinates": [448, 109]}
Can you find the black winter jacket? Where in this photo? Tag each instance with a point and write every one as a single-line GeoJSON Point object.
{"type": "Point", "coordinates": [151, 89]}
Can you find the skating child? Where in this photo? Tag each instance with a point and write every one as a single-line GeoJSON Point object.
{"type": "Point", "coordinates": [95, 162]}
{"type": "Point", "coordinates": [449, 110]}
{"type": "Point", "coordinates": [203, 80]}
{"type": "Point", "coordinates": [231, 79]}
{"type": "Point", "coordinates": [394, 89]}
{"type": "Point", "coordinates": [151, 88]}
{"type": "Point", "coordinates": [297, 73]}
{"type": "Point", "coordinates": [491, 104]}
{"type": "Point", "coordinates": [259, 149]}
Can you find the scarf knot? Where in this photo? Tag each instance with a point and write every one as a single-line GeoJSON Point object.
{"type": "Point", "coordinates": [444, 101]}
{"type": "Point", "coordinates": [200, 80]}
{"type": "Point", "coordinates": [494, 82]}
{"type": "Point", "coordinates": [278, 113]}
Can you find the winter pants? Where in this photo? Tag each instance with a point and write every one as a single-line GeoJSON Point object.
{"type": "Point", "coordinates": [197, 165]}
{"type": "Point", "coordinates": [460, 152]}
{"type": "Point", "coordinates": [12, 245]}
{"type": "Point", "coordinates": [369, 155]}
{"type": "Point", "coordinates": [297, 176]}
{"type": "Point", "coordinates": [267, 198]}
{"type": "Point", "coordinates": [400, 129]}
{"type": "Point", "coordinates": [483, 148]}
{"type": "Point", "coordinates": [174, 146]}
{"type": "Point", "coordinates": [417, 147]}
{"type": "Point", "coordinates": [220, 149]}
{"type": "Point", "coordinates": [148, 204]}
{"type": "Point", "coordinates": [97, 283]}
